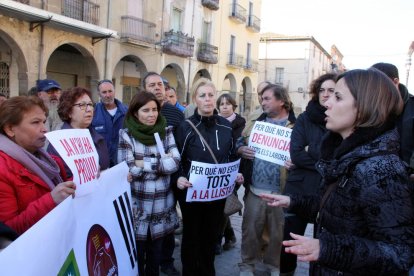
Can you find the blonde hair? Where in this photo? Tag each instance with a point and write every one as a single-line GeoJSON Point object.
{"type": "Point", "coordinates": [201, 83]}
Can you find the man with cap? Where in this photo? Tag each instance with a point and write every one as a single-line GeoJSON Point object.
{"type": "Point", "coordinates": [108, 118]}
{"type": "Point", "coordinates": [49, 91]}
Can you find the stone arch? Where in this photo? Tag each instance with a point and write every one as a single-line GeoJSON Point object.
{"type": "Point", "coordinates": [127, 76]}
{"type": "Point", "coordinates": [175, 76]}
{"type": "Point", "coordinates": [17, 64]}
{"type": "Point", "coordinates": [202, 73]}
{"type": "Point", "coordinates": [245, 97]}
{"type": "Point", "coordinates": [80, 68]}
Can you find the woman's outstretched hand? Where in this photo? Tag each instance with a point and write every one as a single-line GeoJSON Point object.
{"type": "Point", "coordinates": [276, 200]}
{"type": "Point", "coordinates": [307, 249]}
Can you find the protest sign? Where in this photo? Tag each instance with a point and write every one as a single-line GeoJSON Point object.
{"type": "Point", "coordinates": [76, 148]}
{"type": "Point", "coordinates": [271, 142]}
{"type": "Point", "coordinates": [89, 235]}
{"type": "Point", "coordinates": [211, 181]}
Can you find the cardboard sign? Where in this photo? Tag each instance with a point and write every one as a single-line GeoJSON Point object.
{"type": "Point", "coordinates": [212, 181]}
{"type": "Point", "coordinates": [76, 148]}
{"type": "Point", "coordinates": [271, 142]}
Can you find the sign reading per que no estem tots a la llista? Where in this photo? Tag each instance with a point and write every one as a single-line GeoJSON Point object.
{"type": "Point", "coordinates": [271, 142]}
{"type": "Point", "coordinates": [212, 181]}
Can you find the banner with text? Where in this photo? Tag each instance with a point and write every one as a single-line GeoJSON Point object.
{"type": "Point", "coordinates": [271, 142]}
{"type": "Point", "coordinates": [212, 181]}
{"type": "Point", "coordinates": [89, 235]}
{"type": "Point", "coordinates": [76, 147]}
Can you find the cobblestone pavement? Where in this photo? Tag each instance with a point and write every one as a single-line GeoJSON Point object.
{"type": "Point", "coordinates": [227, 263]}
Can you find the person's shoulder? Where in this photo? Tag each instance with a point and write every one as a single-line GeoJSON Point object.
{"type": "Point", "coordinates": [123, 107]}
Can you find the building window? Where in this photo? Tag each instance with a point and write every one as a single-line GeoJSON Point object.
{"type": "Point", "coordinates": [248, 55]}
{"type": "Point", "coordinates": [206, 31]}
{"type": "Point", "coordinates": [176, 19]}
{"type": "Point", "coordinates": [4, 79]}
{"type": "Point", "coordinates": [280, 72]}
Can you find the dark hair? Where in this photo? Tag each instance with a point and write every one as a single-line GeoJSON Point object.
{"type": "Point", "coordinates": [13, 110]}
{"type": "Point", "coordinates": [68, 99]}
{"type": "Point", "coordinates": [228, 98]}
{"type": "Point", "coordinates": [388, 69]}
{"type": "Point", "coordinates": [140, 99]}
{"type": "Point", "coordinates": [280, 93]}
{"type": "Point", "coordinates": [149, 74]}
{"type": "Point", "coordinates": [377, 100]}
{"type": "Point", "coordinates": [260, 83]}
{"type": "Point", "coordinates": [317, 83]}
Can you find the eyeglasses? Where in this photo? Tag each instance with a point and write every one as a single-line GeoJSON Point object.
{"type": "Point", "coordinates": [104, 81]}
{"type": "Point", "coordinates": [82, 106]}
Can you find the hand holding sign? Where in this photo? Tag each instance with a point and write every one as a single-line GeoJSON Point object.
{"type": "Point", "coordinates": [183, 183]}
{"type": "Point", "coordinates": [62, 191]}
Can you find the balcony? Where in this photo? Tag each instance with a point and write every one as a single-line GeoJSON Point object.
{"type": "Point", "coordinates": [137, 31]}
{"type": "Point", "coordinates": [251, 65]}
{"type": "Point", "coordinates": [237, 13]}
{"type": "Point", "coordinates": [207, 53]}
{"type": "Point", "coordinates": [235, 61]}
{"type": "Point", "coordinates": [253, 24]}
{"type": "Point", "coordinates": [210, 4]}
{"type": "Point", "coordinates": [178, 44]}
{"type": "Point", "coordinates": [82, 10]}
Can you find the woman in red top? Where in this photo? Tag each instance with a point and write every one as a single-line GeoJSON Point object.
{"type": "Point", "coordinates": [31, 181]}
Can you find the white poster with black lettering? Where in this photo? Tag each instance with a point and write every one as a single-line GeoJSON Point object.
{"type": "Point", "coordinates": [211, 181]}
{"type": "Point", "coordinates": [271, 142]}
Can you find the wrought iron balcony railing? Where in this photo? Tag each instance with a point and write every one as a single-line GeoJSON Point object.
{"type": "Point", "coordinates": [253, 23]}
{"type": "Point", "coordinates": [134, 28]}
{"type": "Point", "coordinates": [210, 4]}
{"type": "Point", "coordinates": [178, 44]}
{"type": "Point", "coordinates": [207, 53]}
{"type": "Point", "coordinates": [235, 60]}
{"type": "Point", "coordinates": [83, 10]}
{"type": "Point", "coordinates": [237, 13]}
{"type": "Point", "coordinates": [251, 65]}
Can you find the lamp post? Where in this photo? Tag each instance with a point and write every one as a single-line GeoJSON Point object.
{"type": "Point", "coordinates": [408, 67]}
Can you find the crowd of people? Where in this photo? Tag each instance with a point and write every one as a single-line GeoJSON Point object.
{"type": "Point", "coordinates": [350, 171]}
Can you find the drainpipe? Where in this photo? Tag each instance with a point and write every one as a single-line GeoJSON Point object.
{"type": "Point", "coordinates": [41, 46]}
{"type": "Point", "coordinates": [189, 59]}
{"type": "Point", "coordinates": [107, 41]}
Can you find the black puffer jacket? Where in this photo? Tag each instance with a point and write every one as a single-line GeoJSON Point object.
{"type": "Point", "coordinates": [305, 150]}
{"type": "Point", "coordinates": [216, 131]}
{"type": "Point", "coordinates": [366, 226]}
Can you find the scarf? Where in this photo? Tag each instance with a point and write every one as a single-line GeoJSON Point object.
{"type": "Point", "coordinates": [145, 134]}
{"type": "Point", "coordinates": [316, 112]}
{"type": "Point", "coordinates": [42, 165]}
{"type": "Point", "coordinates": [230, 118]}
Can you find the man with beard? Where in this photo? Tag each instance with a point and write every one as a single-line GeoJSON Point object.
{"type": "Point", "coordinates": [49, 91]}
{"type": "Point", "coordinates": [109, 117]}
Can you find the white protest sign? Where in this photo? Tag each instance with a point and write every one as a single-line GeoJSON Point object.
{"type": "Point", "coordinates": [271, 142]}
{"type": "Point", "coordinates": [212, 181]}
{"type": "Point", "coordinates": [76, 148]}
{"type": "Point", "coordinates": [89, 235]}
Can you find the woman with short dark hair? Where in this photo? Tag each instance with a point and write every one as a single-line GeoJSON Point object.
{"type": "Point", "coordinates": [76, 110]}
{"type": "Point", "coordinates": [365, 213]}
{"type": "Point", "coordinates": [153, 204]}
{"type": "Point", "coordinates": [32, 182]}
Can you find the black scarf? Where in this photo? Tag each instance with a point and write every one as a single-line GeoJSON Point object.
{"type": "Point", "coordinates": [145, 134]}
{"type": "Point", "coordinates": [316, 112]}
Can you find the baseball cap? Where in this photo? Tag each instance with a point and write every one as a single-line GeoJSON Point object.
{"type": "Point", "coordinates": [45, 85]}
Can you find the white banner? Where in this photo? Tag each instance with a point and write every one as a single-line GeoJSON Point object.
{"type": "Point", "coordinates": [76, 147]}
{"type": "Point", "coordinates": [89, 235]}
{"type": "Point", "coordinates": [212, 181]}
{"type": "Point", "coordinates": [271, 142]}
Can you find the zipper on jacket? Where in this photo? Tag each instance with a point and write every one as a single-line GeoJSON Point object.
{"type": "Point", "coordinates": [204, 148]}
{"type": "Point", "coordinates": [217, 142]}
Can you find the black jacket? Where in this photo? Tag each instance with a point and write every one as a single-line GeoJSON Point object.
{"type": "Point", "coordinates": [216, 131]}
{"type": "Point", "coordinates": [305, 150]}
{"type": "Point", "coordinates": [366, 225]}
{"type": "Point", "coordinates": [238, 125]}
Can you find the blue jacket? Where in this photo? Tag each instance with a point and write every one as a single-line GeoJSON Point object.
{"type": "Point", "coordinates": [109, 127]}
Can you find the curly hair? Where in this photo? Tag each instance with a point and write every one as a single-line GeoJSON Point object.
{"type": "Point", "coordinates": [317, 83]}
{"type": "Point", "coordinates": [68, 99]}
